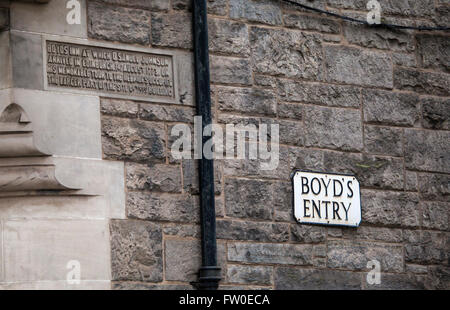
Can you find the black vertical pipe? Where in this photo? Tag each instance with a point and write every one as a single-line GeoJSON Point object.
{"type": "Point", "coordinates": [209, 273]}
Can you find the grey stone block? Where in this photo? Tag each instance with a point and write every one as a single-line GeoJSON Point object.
{"type": "Point", "coordinates": [249, 198]}
{"type": "Point", "coordinates": [140, 141]}
{"type": "Point", "coordinates": [315, 279]}
{"type": "Point", "coordinates": [312, 23]}
{"type": "Point", "coordinates": [115, 23]}
{"type": "Point", "coordinates": [183, 259]}
{"type": "Point", "coordinates": [228, 37]}
{"type": "Point", "coordinates": [258, 275]}
{"type": "Point", "coordinates": [120, 108]}
{"type": "Point", "coordinates": [357, 66]}
{"type": "Point", "coordinates": [434, 52]}
{"type": "Point", "coordinates": [163, 207]}
{"type": "Point", "coordinates": [386, 39]}
{"type": "Point", "coordinates": [153, 112]}
{"type": "Point", "coordinates": [354, 255]}
{"type": "Point", "coordinates": [228, 70]}
{"type": "Point", "coordinates": [160, 178]}
{"type": "Point", "coordinates": [270, 253]}
{"type": "Point", "coordinates": [333, 128]}
{"type": "Point", "coordinates": [425, 247]}
{"type": "Point", "coordinates": [436, 215]}
{"type": "Point", "coordinates": [382, 107]}
{"type": "Point", "coordinates": [430, 83]}
{"type": "Point", "coordinates": [246, 100]}
{"type": "Point", "coordinates": [390, 208]}
{"type": "Point", "coordinates": [265, 11]}
{"type": "Point", "coordinates": [320, 94]}
{"type": "Point", "coordinates": [136, 251]}
{"type": "Point", "coordinates": [371, 171]}
{"type": "Point", "coordinates": [262, 232]}
{"type": "Point", "coordinates": [170, 30]}
{"type": "Point", "coordinates": [436, 113]}
{"type": "Point", "coordinates": [434, 187]}
{"type": "Point", "coordinates": [427, 150]}
{"type": "Point", "coordinates": [308, 233]}
{"type": "Point", "coordinates": [383, 140]}
{"type": "Point", "coordinates": [286, 52]}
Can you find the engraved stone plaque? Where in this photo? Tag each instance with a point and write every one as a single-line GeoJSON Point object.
{"type": "Point", "coordinates": [102, 70]}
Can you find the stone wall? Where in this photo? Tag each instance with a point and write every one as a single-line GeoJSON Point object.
{"type": "Point", "coordinates": [348, 99]}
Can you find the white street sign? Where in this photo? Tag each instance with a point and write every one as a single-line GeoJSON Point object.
{"type": "Point", "coordinates": [329, 199]}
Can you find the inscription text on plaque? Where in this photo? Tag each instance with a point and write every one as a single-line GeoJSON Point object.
{"type": "Point", "coordinates": [107, 70]}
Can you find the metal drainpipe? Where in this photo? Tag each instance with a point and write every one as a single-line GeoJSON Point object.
{"type": "Point", "coordinates": [209, 273]}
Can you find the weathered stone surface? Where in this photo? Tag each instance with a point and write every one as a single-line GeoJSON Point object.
{"type": "Point", "coordinates": [371, 171]}
{"type": "Point", "coordinates": [436, 215]}
{"type": "Point", "coordinates": [115, 23]}
{"type": "Point", "coordinates": [439, 278]}
{"type": "Point", "coordinates": [434, 187]}
{"type": "Point", "coordinates": [321, 94]}
{"type": "Point", "coordinates": [290, 110]}
{"type": "Point", "coordinates": [307, 22]}
{"type": "Point", "coordinates": [396, 7]}
{"type": "Point", "coordinates": [287, 53]}
{"type": "Point", "coordinates": [136, 251]}
{"type": "Point", "coordinates": [263, 11]}
{"type": "Point", "coordinates": [246, 100]}
{"type": "Point", "coordinates": [306, 159]}
{"type": "Point", "coordinates": [390, 208]}
{"type": "Point", "coordinates": [356, 66]}
{"type": "Point", "coordinates": [163, 207]}
{"type": "Point", "coordinates": [190, 177]}
{"type": "Point", "coordinates": [308, 233]}
{"type": "Point", "coordinates": [170, 30]}
{"type": "Point", "coordinates": [182, 231]}
{"type": "Point", "coordinates": [425, 247]}
{"type": "Point", "coordinates": [375, 234]}
{"type": "Point", "coordinates": [436, 113]}
{"type": "Point", "coordinates": [434, 52]}
{"type": "Point", "coordinates": [383, 140]}
{"type": "Point", "coordinates": [354, 255]}
{"type": "Point", "coordinates": [427, 150]}
{"type": "Point", "coordinates": [140, 141]}
{"type": "Point", "coordinates": [442, 15]}
{"type": "Point", "coordinates": [142, 286]}
{"type": "Point", "coordinates": [120, 108]}
{"type": "Point", "coordinates": [215, 7]}
{"type": "Point", "coordinates": [270, 253]}
{"type": "Point", "coordinates": [183, 259]}
{"type": "Point", "coordinates": [228, 37]}
{"type": "Point", "coordinates": [249, 198]}
{"type": "Point", "coordinates": [154, 5]}
{"type": "Point", "coordinates": [333, 128]}
{"type": "Point", "coordinates": [403, 59]}
{"type": "Point", "coordinates": [249, 274]}
{"type": "Point", "coordinates": [160, 178]}
{"type": "Point", "coordinates": [381, 38]}
{"type": "Point", "coordinates": [315, 279]}
{"type": "Point", "coordinates": [411, 183]}
{"type": "Point", "coordinates": [382, 107]}
{"type": "Point", "coordinates": [228, 70]}
{"type": "Point", "coordinates": [153, 112]}
{"type": "Point", "coordinates": [265, 232]}
{"type": "Point", "coordinates": [436, 83]}
{"type": "Point", "coordinates": [398, 282]}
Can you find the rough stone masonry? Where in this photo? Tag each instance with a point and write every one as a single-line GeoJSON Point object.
{"type": "Point", "coordinates": [348, 98]}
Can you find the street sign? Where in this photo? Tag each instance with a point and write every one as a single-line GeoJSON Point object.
{"type": "Point", "coordinates": [328, 199]}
